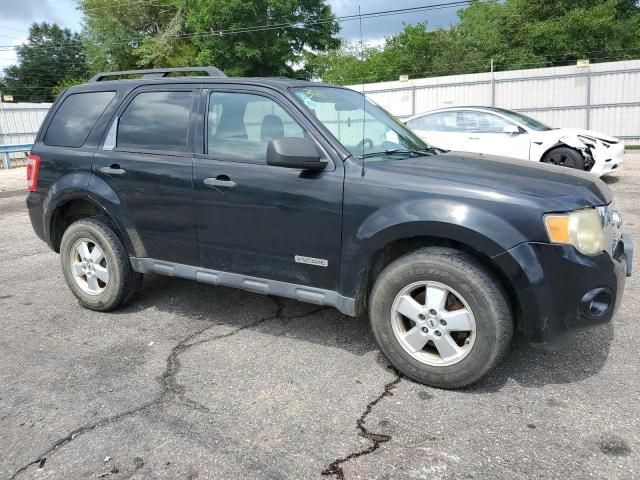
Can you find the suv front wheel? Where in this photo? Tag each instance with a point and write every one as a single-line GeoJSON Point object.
{"type": "Point", "coordinates": [96, 266]}
{"type": "Point", "coordinates": [440, 317]}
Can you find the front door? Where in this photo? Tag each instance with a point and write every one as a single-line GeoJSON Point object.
{"type": "Point", "coordinates": [258, 220]}
{"type": "Point", "coordinates": [485, 135]}
{"type": "Point", "coordinates": [146, 160]}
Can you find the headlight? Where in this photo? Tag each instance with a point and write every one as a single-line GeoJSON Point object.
{"type": "Point", "coordinates": [582, 229]}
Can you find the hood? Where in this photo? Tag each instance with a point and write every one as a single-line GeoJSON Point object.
{"type": "Point", "coordinates": [566, 132]}
{"type": "Point", "coordinates": [571, 189]}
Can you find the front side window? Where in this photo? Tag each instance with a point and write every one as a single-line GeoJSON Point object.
{"type": "Point", "coordinates": [156, 121]}
{"type": "Point", "coordinates": [528, 121]}
{"type": "Point", "coordinates": [358, 124]}
{"type": "Point", "coordinates": [241, 125]}
{"type": "Point", "coordinates": [76, 117]}
{"type": "Point", "coordinates": [487, 123]}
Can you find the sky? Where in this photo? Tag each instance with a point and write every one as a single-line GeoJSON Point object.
{"type": "Point", "coordinates": [17, 15]}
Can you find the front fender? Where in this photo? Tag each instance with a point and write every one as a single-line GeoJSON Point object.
{"type": "Point", "coordinates": [485, 230]}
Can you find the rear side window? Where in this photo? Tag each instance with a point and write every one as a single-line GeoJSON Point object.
{"type": "Point", "coordinates": [156, 121]}
{"type": "Point", "coordinates": [76, 117]}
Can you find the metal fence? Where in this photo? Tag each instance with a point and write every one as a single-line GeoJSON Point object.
{"type": "Point", "coordinates": [604, 97]}
{"type": "Point", "coordinates": [19, 123]}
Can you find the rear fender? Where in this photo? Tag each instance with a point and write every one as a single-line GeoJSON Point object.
{"type": "Point", "coordinates": [84, 186]}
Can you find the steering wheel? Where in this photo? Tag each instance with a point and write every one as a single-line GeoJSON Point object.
{"type": "Point", "coordinates": [362, 145]}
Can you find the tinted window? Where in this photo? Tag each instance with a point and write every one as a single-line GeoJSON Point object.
{"type": "Point", "coordinates": [156, 121]}
{"type": "Point", "coordinates": [240, 126]}
{"type": "Point", "coordinates": [76, 117]}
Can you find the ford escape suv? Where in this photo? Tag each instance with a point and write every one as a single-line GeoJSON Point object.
{"type": "Point", "coordinates": [310, 191]}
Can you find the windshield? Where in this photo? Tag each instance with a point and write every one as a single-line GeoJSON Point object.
{"type": "Point", "coordinates": [528, 121]}
{"type": "Point", "coordinates": [363, 127]}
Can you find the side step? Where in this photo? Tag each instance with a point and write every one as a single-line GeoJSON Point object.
{"type": "Point", "coordinates": [263, 286]}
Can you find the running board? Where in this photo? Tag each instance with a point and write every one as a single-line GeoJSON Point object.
{"type": "Point", "coordinates": [264, 286]}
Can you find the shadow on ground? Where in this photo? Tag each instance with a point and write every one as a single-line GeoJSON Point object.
{"type": "Point", "coordinates": [529, 365]}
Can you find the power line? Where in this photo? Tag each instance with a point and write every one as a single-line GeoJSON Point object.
{"type": "Point", "coordinates": [6, 27]}
{"type": "Point", "coordinates": [125, 3]}
{"type": "Point", "coordinates": [280, 26]}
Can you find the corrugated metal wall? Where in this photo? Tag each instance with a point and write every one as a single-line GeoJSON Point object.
{"type": "Point", "coordinates": [604, 97]}
{"type": "Point", "coordinates": [19, 122]}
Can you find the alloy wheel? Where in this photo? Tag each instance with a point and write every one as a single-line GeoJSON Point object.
{"type": "Point", "coordinates": [433, 323]}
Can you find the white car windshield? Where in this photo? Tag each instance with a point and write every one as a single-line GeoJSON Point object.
{"type": "Point", "coordinates": [363, 127]}
{"type": "Point", "coordinates": [532, 123]}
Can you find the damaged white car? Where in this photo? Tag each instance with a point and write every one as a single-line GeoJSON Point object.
{"type": "Point", "coordinates": [496, 131]}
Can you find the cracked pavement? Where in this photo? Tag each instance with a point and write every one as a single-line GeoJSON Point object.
{"type": "Point", "coordinates": [194, 381]}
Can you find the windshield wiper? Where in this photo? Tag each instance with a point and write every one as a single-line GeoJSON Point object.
{"type": "Point", "coordinates": [401, 151]}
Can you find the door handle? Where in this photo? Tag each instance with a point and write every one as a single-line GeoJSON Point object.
{"type": "Point", "coordinates": [219, 181]}
{"type": "Point", "coordinates": [113, 170]}
{"type": "Point", "coordinates": [474, 138]}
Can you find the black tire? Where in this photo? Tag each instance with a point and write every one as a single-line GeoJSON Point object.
{"type": "Point", "coordinates": [564, 157]}
{"type": "Point", "coordinates": [123, 283]}
{"type": "Point", "coordinates": [484, 295]}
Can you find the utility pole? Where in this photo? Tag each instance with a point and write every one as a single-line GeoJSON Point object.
{"type": "Point", "coordinates": [493, 86]}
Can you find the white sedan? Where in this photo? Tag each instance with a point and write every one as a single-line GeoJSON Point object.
{"type": "Point", "coordinates": [496, 131]}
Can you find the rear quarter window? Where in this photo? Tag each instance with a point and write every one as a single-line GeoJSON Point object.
{"type": "Point", "coordinates": [76, 117]}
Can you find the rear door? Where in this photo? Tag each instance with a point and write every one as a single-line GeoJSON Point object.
{"type": "Point", "coordinates": [259, 220]}
{"type": "Point", "coordinates": [146, 159]}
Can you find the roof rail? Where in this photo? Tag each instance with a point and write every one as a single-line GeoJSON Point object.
{"type": "Point", "coordinates": [158, 72]}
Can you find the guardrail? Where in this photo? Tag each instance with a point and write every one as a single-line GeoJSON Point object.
{"type": "Point", "coordinates": [5, 150]}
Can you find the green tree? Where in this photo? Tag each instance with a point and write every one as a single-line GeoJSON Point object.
{"type": "Point", "coordinates": [50, 55]}
{"type": "Point", "coordinates": [125, 35]}
{"type": "Point", "coordinates": [310, 26]}
{"type": "Point", "coordinates": [117, 34]}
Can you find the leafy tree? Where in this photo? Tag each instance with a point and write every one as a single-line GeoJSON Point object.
{"type": "Point", "coordinates": [50, 55]}
{"type": "Point", "coordinates": [116, 34]}
{"type": "Point", "coordinates": [258, 53]}
{"type": "Point", "coordinates": [121, 35]}
{"type": "Point", "coordinates": [66, 83]}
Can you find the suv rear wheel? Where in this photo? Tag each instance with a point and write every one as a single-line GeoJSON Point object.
{"type": "Point", "coordinates": [96, 266]}
{"type": "Point", "coordinates": [440, 317]}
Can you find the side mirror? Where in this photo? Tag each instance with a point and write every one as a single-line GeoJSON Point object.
{"type": "Point", "coordinates": [512, 130]}
{"type": "Point", "coordinates": [299, 153]}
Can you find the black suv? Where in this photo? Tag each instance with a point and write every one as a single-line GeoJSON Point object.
{"type": "Point", "coordinates": [312, 192]}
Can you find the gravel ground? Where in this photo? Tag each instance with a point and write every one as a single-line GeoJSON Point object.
{"type": "Point", "coordinates": [193, 381]}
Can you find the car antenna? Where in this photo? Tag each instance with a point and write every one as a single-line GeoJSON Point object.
{"type": "Point", "coordinates": [364, 99]}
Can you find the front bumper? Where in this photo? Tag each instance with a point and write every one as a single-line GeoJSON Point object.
{"type": "Point", "coordinates": [559, 290]}
{"type": "Point", "coordinates": [607, 159]}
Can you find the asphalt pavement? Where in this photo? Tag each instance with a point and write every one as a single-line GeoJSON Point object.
{"type": "Point", "coordinates": [194, 381]}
